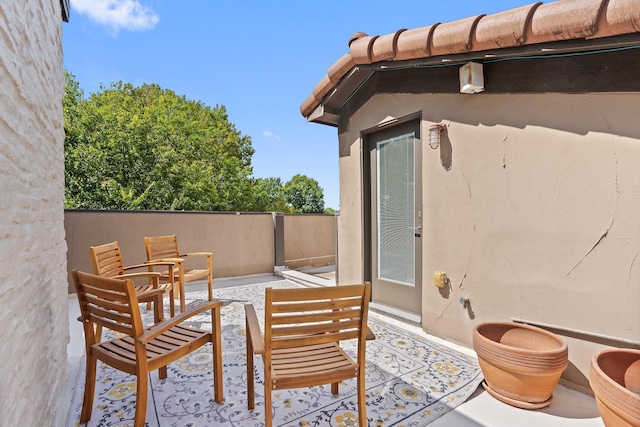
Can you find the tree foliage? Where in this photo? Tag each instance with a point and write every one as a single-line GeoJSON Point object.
{"type": "Point", "coordinates": [304, 194]}
{"type": "Point", "coordinates": [146, 148]}
{"type": "Point", "coordinates": [269, 196]}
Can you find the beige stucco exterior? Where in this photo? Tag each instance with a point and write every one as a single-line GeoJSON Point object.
{"type": "Point", "coordinates": [309, 240]}
{"type": "Point", "coordinates": [531, 207]}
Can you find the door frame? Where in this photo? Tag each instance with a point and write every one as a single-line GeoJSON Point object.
{"type": "Point", "coordinates": [367, 214]}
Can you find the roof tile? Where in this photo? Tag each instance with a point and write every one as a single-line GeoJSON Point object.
{"type": "Point", "coordinates": [504, 29]}
{"type": "Point", "coordinates": [620, 17]}
{"type": "Point", "coordinates": [564, 20]}
{"type": "Point", "coordinates": [341, 67]}
{"type": "Point", "coordinates": [361, 49]}
{"type": "Point", "coordinates": [534, 23]}
{"type": "Point", "coordinates": [309, 105]}
{"type": "Point", "coordinates": [453, 37]}
{"type": "Point", "coordinates": [322, 88]}
{"type": "Point", "coordinates": [384, 47]}
{"type": "Point", "coordinates": [413, 44]}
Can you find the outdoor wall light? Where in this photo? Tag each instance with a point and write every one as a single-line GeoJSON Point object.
{"type": "Point", "coordinates": [471, 78]}
{"type": "Point", "coordinates": [434, 134]}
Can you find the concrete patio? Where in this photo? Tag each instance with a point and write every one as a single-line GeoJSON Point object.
{"type": "Point", "coordinates": [569, 407]}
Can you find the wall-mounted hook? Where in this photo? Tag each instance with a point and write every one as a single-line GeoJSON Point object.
{"type": "Point", "coordinates": [464, 301]}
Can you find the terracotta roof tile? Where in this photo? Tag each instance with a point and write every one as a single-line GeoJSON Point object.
{"type": "Point", "coordinates": [413, 44]}
{"type": "Point", "coordinates": [621, 17]}
{"type": "Point", "coordinates": [309, 105]}
{"type": "Point", "coordinates": [504, 29]}
{"type": "Point", "coordinates": [526, 25]}
{"type": "Point", "coordinates": [453, 37]}
{"type": "Point", "coordinates": [361, 49]}
{"type": "Point", "coordinates": [341, 67]}
{"type": "Point", "coordinates": [322, 88]}
{"type": "Point", "coordinates": [564, 20]}
{"type": "Point", "coordinates": [384, 47]}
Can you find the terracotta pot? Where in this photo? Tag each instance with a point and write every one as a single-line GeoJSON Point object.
{"type": "Point", "coordinates": [521, 364]}
{"type": "Point", "coordinates": [615, 379]}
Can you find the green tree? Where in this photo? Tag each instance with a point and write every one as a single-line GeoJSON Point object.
{"type": "Point", "coordinates": [269, 196]}
{"type": "Point", "coordinates": [145, 147]}
{"type": "Point", "coordinates": [304, 194]}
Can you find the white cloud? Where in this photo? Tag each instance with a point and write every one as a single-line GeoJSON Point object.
{"type": "Point", "coordinates": [269, 134]}
{"type": "Point", "coordinates": [118, 14]}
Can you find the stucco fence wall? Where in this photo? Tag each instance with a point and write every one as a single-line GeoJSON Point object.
{"type": "Point", "coordinates": [242, 243]}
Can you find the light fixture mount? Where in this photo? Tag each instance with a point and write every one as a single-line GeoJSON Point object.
{"type": "Point", "coordinates": [434, 134]}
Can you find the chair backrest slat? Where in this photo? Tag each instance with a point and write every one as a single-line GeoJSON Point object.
{"type": "Point", "coordinates": [301, 317]}
{"type": "Point", "coordinates": [107, 259]}
{"type": "Point", "coordinates": [314, 328]}
{"type": "Point", "coordinates": [161, 247]}
{"type": "Point", "coordinates": [99, 311]}
{"type": "Point", "coordinates": [310, 294]}
{"type": "Point", "coordinates": [314, 316]}
{"type": "Point", "coordinates": [307, 340]}
{"type": "Point", "coordinates": [343, 303]}
{"type": "Point", "coordinates": [106, 323]}
{"type": "Point", "coordinates": [111, 303]}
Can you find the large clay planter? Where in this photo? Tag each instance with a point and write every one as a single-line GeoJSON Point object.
{"type": "Point", "coordinates": [521, 364]}
{"type": "Point", "coordinates": [615, 379]}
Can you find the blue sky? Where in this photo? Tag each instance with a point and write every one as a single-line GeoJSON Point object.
{"type": "Point", "coordinates": [260, 59]}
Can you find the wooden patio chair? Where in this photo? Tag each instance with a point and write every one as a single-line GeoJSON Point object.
{"type": "Point", "coordinates": [165, 248]}
{"type": "Point", "coordinates": [113, 304]}
{"type": "Point", "coordinates": [107, 261]}
{"type": "Point", "coordinates": [301, 345]}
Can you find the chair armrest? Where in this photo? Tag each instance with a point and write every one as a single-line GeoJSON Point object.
{"type": "Point", "coordinates": [134, 275]}
{"type": "Point", "coordinates": [253, 329]}
{"type": "Point", "coordinates": [150, 264]}
{"type": "Point", "coordinates": [167, 324]}
{"type": "Point", "coordinates": [198, 254]}
{"type": "Point", "coordinates": [370, 334]}
{"type": "Point", "coordinates": [165, 260]}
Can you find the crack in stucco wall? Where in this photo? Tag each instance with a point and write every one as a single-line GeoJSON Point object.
{"type": "Point", "coordinates": [615, 209]}
{"type": "Point", "coordinates": [473, 240]}
{"type": "Point", "coordinates": [504, 151]}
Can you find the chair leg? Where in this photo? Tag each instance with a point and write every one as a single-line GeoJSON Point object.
{"type": "Point", "coordinates": [268, 410]}
{"type": "Point", "coordinates": [98, 333]}
{"type": "Point", "coordinates": [172, 304]}
{"type": "Point", "coordinates": [362, 400]}
{"type": "Point", "coordinates": [181, 292]}
{"type": "Point", "coordinates": [141, 399]}
{"type": "Point", "coordinates": [89, 388]}
{"type": "Point", "coordinates": [158, 309]}
{"type": "Point", "coordinates": [250, 383]}
{"type": "Point", "coordinates": [216, 344]}
{"type": "Point", "coordinates": [334, 388]}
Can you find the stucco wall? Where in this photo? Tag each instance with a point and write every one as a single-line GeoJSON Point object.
{"type": "Point", "coordinates": [309, 240]}
{"type": "Point", "coordinates": [531, 207]}
{"type": "Point", "coordinates": [33, 289]}
{"type": "Point", "coordinates": [242, 244]}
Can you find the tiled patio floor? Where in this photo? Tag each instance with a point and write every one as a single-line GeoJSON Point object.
{"type": "Point", "coordinates": [569, 408]}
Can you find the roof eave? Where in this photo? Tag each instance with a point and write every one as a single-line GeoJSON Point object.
{"type": "Point", "coordinates": [327, 111]}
